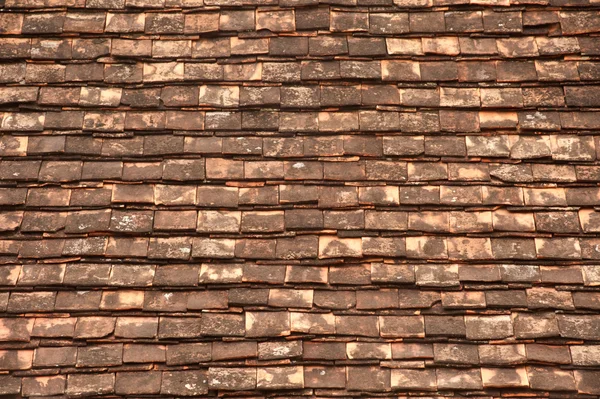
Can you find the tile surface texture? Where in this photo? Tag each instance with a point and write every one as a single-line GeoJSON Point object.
{"type": "Point", "coordinates": [300, 198]}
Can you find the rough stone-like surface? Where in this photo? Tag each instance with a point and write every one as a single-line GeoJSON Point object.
{"type": "Point", "coordinates": [226, 198]}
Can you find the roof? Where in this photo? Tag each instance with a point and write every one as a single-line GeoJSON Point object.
{"type": "Point", "coordinates": [299, 198]}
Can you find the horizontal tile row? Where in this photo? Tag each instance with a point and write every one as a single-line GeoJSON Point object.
{"type": "Point", "coordinates": [377, 274]}
{"type": "Point", "coordinates": [197, 170]}
{"type": "Point", "coordinates": [365, 274]}
{"type": "Point", "coordinates": [279, 221]}
{"type": "Point", "coordinates": [387, 70]}
{"type": "Point", "coordinates": [257, 324]}
{"type": "Point", "coordinates": [301, 46]}
{"type": "Point", "coordinates": [406, 355]}
{"type": "Point", "coordinates": [327, 196]}
{"type": "Point", "coordinates": [182, 248]}
{"type": "Point", "coordinates": [393, 21]}
{"type": "Point", "coordinates": [306, 96]}
{"type": "Point", "coordinates": [325, 378]}
{"type": "Point", "coordinates": [558, 147]}
{"type": "Point", "coordinates": [211, 4]}
{"type": "Point", "coordinates": [360, 300]}
{"type": "Point", "coordinates": [299, 122]}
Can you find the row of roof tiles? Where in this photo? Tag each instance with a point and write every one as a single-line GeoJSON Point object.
{"type": "Point", "coordinates": [306, 96]}
{"type": "Point", "coordinates": [179, 4]}
{"type": "Point", "coordinates": [53, 171]}
{"type": "Point", "coordinates": [405, 355]}
{"type": "Point", "coordinates": [368, 121]}
{"type": "Point", "coordinates": [521, 47]}
{"type": "Point", "coordinates": [388, 70]}
{"type": "Point", "coordinates": [363, 300]}
{"type": "Point", "coordinates": [261, 324]}
{"type": "Point", "coordinates": [278, 221]}
{"type": "Point", "coordinates": [323, 196]}
{"type": "Point", "coordinates": [320, 378]}
{"type": "Point", "coordinates": [413, 150]}
{"type": "Point", "coordinates": [183, 248]}
{"type": "Point", "coordinates": [559, 147]}
{"type": "Point", "coordinates": [346, 171]}
{"type": "Point", "coordinates": [508, 281]}
{"type": "Point", "coordinates": [290, 20]}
